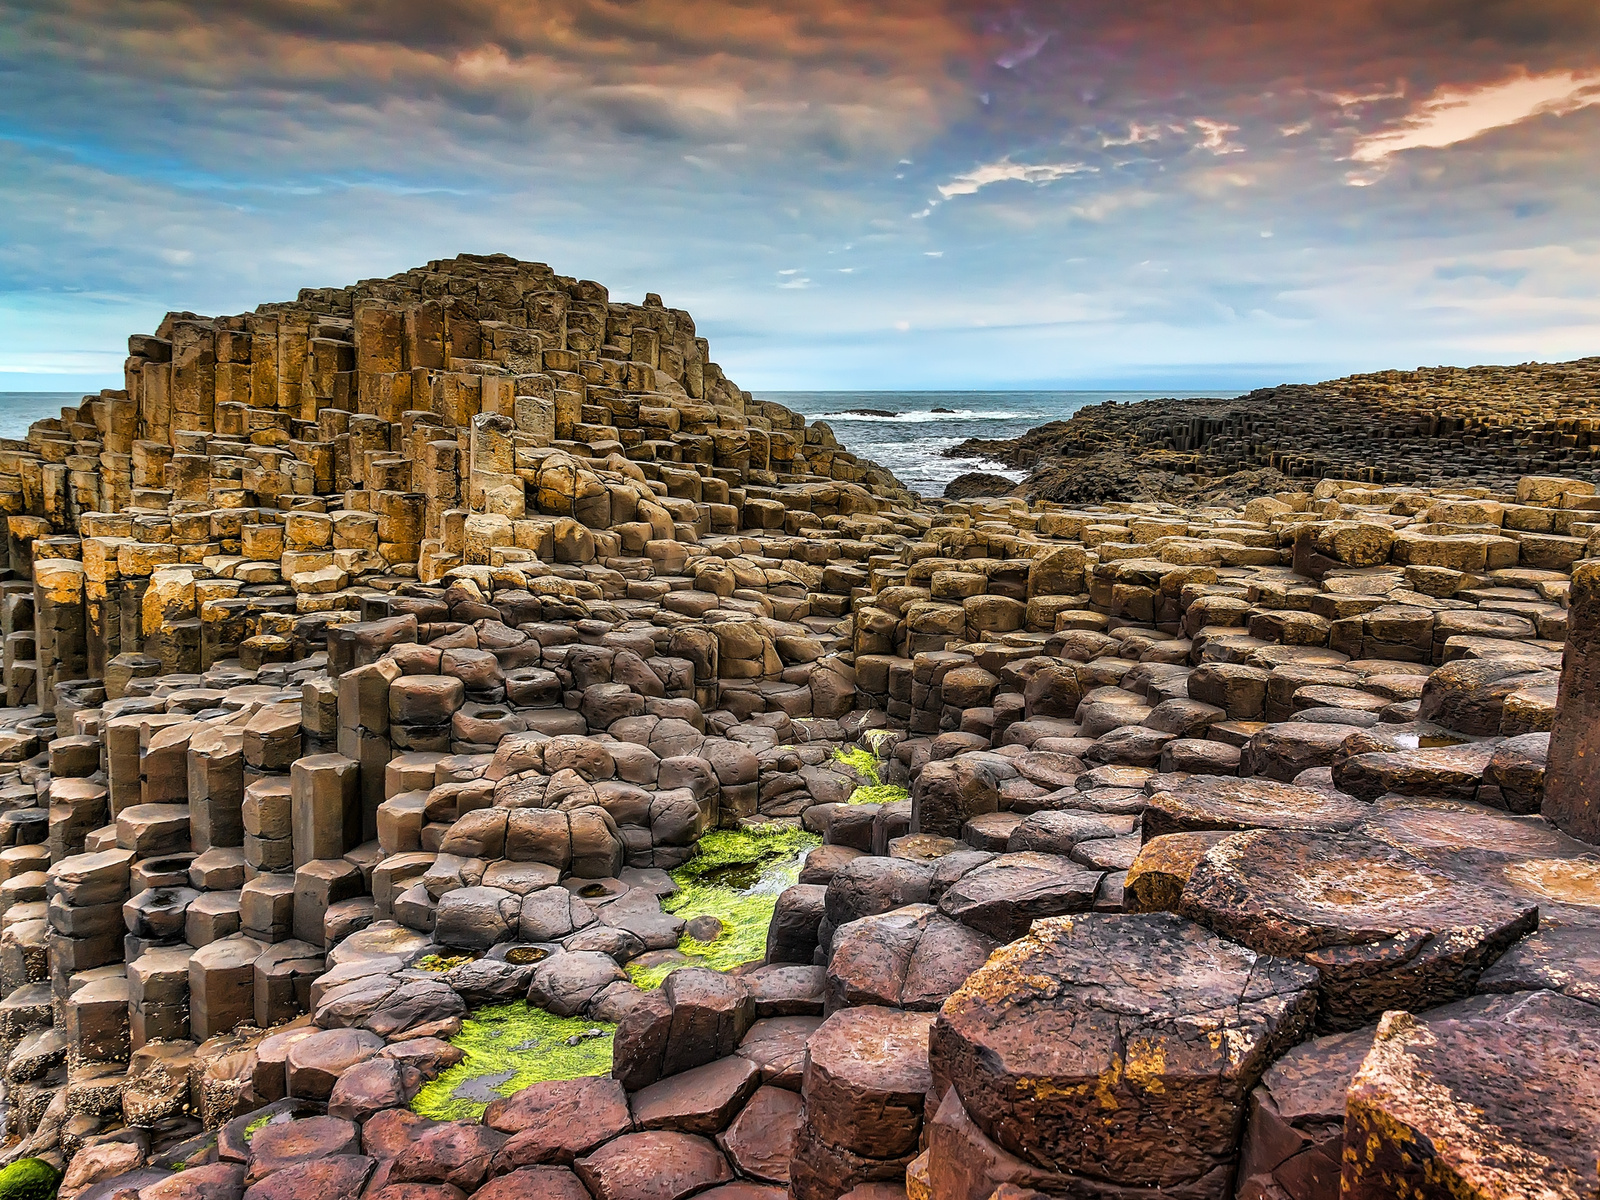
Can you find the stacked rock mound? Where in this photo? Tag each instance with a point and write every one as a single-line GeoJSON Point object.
{"type": "Point", "coordinates": [1202, 852]}
{"type": "Point", "coordinates": [1479, 426]}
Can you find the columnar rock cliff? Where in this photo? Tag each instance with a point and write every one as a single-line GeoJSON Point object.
{"type": "Point", "coordinates": [458, 744]}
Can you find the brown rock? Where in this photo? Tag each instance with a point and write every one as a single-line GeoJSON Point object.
{"type": "Point", "coordinates": [1294, 1136]}
{"type": "Point", "coordinates": [701, 1100]}
{"type": "Point", "coordinates": [653, 1166]}
{"type": "Point", "coordinates": [450, 1152]}
{"type": "Point", "coordinates": [1219, 802]}
{"type": "Point", "coordinates": [760, 1141]}
{"type": "Point", "coordinates": [1502, 1103]}
{"type": "Point", "coordinates": [1384, 929]}
{"type": "Point", "coordinates": [777, 1046]}
{"type": "Point", "coordinates": [865, 1080]}
{"type": "Point", "coordinates": [1120, 1047]}
{"type": "Point", "coordinates": [534, 1183]}
{"type": "Point", "coordinates": [340, 1177]}
{"type": "Point", "coordinates": [1162, 867]}
{"type": "Point", "coordinates": [275, 1147]}
{"type": "Point", "coordinates": [556, 1121]}
{"type": "Point", "coordinates": [1001, 899]}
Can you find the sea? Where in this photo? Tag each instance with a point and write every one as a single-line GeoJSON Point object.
{"type": "Point", "coordinates": [907, 432]}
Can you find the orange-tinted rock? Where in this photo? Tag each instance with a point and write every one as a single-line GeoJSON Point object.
{"type": "Point", "coordinates": [1161, 868]}
{"type": "Point", "coordinates": [1119, 1047]}
{"type": "Point", "coordinates": [1505, 1103]}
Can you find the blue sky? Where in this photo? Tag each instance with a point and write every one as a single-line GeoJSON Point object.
{"type": "Point", "coordinates": [906, 194]}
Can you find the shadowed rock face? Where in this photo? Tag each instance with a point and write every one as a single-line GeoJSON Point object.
{"type": "Point", "coordinates": [1119, 1047]}
{"type": "Point", "coordinates": [1383, 929]}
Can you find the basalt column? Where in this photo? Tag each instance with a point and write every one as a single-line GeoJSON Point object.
{"type": "Point", "coordinates": [1572, 787]}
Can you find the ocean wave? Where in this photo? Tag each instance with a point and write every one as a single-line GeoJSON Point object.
{"type": "Point", "coordinates": [921, 416]}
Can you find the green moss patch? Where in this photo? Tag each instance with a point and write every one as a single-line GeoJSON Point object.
{"type": "Point", "coordinates": [860, 760]}
{"type": "Point", "coordinates": [29, 1179]}
{"type": "Point", "coordinates": [736, 878]}
{"type": "Point", "coordinates": [879, 793]}
{"type": "Point", "coordinates": [509, 1047]}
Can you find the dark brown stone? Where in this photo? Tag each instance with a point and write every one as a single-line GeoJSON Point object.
{"type": "Point", "coordinates": [777, 1045]}
{"type": "Point", "coordinates": [865, 1081]}
{"type": "Point", "coordinates": [1219, 802]}
{"type": "Point", "coordinates": [1294, 1136]}
{"type": "Point", "coordinates": [1002, 898]}
{"type": "Point", "coordinates": [702, 1100]}
{"type": "Point", "coordinates": [556, 1121]}
{"type": "Point", "coordinates": [653, 1166]}
{"type": "Point", "coordinates": [1384, 928]}
{"type": "Point", "coordinates": [450, 1152]}
{"type": "Point", "coordinates": [1445, 772]}
{"type": "Point", "coordinates": [911, 958]}
{"type": "Point", "coordinates": [275, 1147]}
{"type": "Point", "coordinates": [760, 1141]}
{"type": "Point", "coordinates": [339, 1177]}
{"type": "Point", "coordinates": [1120, 1048]}
{"type": "Point", "coordinates": [1501, 1103]}
{"type": "Point", "coordinates": [534, 1183]}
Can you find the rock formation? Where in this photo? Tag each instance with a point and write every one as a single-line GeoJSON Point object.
{"type": "Point", "coordinates": [423, 698]}
{"type": "Point", "coordinates": [1467, 427]}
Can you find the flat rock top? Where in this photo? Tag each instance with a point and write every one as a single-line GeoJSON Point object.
{"type": "Point", "coordinates": [1295, 893]}
{"type": "Point", "coordinates": [1462, 825]}
{"type": "Point", "coordinates": [1310, 1082]}
{"type": "Point", "coordinates": [1121, 1045]}
{"type": "Point", "coordinates": [885, 1046]}
{"type": "Point", "coordinates": [1223, 802]}
{"type": "Point", "coordinates": [1506, 1103]}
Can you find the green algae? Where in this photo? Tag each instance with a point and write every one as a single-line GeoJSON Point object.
{"type": "Point", "coordinates": [509, 1047]}
{"type": "Point", "coordinates": [440, 964]}
{"type": "Point", "coordinates": [736, 878]}
{"type": "Point", "coordinates": [29, 1179]}
{"type": "Point", "coordinates": [860, 760]}
{"type": "Point", "coordinates": [250, 1129]}
{"type": "Point", "coordinates": [880, 793]}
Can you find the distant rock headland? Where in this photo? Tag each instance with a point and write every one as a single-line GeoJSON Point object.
{"type": "Point", "coordinates": [1475, 426]}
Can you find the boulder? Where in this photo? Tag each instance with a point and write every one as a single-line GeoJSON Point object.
{"type": "Point", "coordinates": [1120, 1048]}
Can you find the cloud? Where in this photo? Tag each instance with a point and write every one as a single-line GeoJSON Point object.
{"type": "Point", "coordinates": [1214, 136]}
{"type": "Point", "coordinates": [1004, 170]}
{"type": "Point", "coordinates": [1450, 117]}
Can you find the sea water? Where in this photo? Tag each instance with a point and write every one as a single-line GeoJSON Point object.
{"type": "Point", "coordinates": [908, 432]}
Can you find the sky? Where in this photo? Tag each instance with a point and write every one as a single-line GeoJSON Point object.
{"type": "Point", "coordinates": [903, 194]}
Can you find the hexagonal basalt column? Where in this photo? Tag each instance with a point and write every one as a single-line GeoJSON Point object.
{"type": "Point", "coordinates": [1117, 1051]}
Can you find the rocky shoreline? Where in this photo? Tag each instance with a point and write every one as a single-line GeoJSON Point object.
{"type": "Point", "coordinates": [1466, 427]}
{"type": "Point", "coordinates": [458, 745]}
